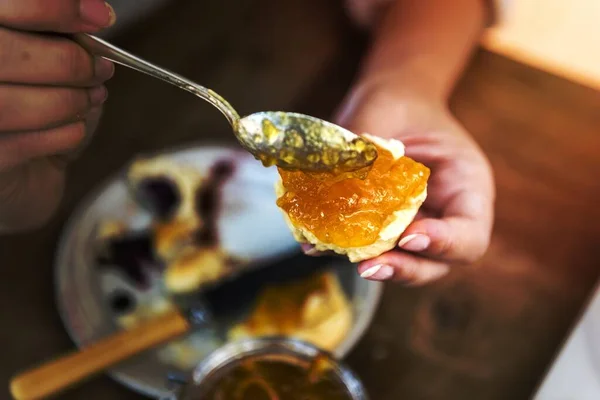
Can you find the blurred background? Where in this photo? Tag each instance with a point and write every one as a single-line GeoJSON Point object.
{"type": "Point", "coordinates": [562, 37]}
{"type": "Point", "coordinates": [530, 99]}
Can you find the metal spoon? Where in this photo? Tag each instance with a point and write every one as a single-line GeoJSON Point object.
{"type": "Point", "coordinates": [289, 140]}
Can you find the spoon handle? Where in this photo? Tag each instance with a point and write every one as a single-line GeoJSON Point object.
{"type": "Point", "coordinates": [101, 48]}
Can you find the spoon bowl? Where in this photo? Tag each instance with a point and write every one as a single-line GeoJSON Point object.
{"type": "Point", "coordinates": [295, 141]}
{"type": "Point", "coordinates": [289, 140]}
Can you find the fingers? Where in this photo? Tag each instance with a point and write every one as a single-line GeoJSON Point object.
{"type": "Point", "coordinates": [432, 244]}
{"type": "Point", "coordinates": [91, 123]}
{"type": "Point", "coordinates": [50, 93]}
{"type": "Point", "coordinates": [403, 267]}
{"type": "Point", "coordinates": [461, 235]}
{"type": "Point", "coordinates": [32, 108]}
{"type": "Point", "coordinates": [18, 149]}
{"type": "Point", "coordinates": [450, 239]}
{"type": "Point", "coordinates": [44, 60]}
{"type": "Point", "coordinates": [57, 15]}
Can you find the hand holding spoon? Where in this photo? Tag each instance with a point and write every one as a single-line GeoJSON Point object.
{"type": "Point", "coordinates": [289, 140]}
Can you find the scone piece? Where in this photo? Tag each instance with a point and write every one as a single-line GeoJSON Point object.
{"type": "Point", "coordinates": [110, 229]}
{"type": "Point", "coordinates": [168, 190]}
{"type": "Point", "coordinates": [357, 218]}
{"type": "Point", "coordinates": [314, 310]}
{"type": "Point", "coordinates": [195, 267]}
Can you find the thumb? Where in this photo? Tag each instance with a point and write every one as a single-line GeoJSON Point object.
{"type": "Point", "coordinates": [65, 16]}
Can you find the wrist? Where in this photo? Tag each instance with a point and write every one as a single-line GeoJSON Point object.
{"type": "Point", "coordinates": [390, 109]}
{"type": "Point", "coordinates": [425, 44]}
{"type": "Point", "coordinates": [390, 93]}
{"type": "Point", "coordinates": [414, 78]}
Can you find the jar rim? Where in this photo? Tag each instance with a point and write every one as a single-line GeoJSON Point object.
{"type": "Point", "coordinates": [234, 352]}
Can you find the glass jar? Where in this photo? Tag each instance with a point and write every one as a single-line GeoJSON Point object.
{"type": "Point", "coordinates": [227, 370]}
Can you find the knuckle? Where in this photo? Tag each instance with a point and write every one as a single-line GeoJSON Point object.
{"type": "Point", "coordinates": [444, 243]}
{"type": "Point", "coordinates": [409, 273]}
{"type": "Point", "coordinates": [446, 246]}
{"type": "Point", "coordinates": [467, 247]}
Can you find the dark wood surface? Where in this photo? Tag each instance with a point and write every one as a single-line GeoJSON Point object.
{"type": "Point", "coordinates": [486, 332]}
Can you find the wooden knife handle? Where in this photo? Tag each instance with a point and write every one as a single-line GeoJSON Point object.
{"type": "Point", "coordinates": [57, 375]}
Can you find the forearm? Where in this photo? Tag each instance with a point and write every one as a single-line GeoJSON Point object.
{"type": "Point", "coordinates": [425, 44]}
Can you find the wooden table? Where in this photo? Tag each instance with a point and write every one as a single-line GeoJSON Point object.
{"type": "Point", "coordinates": [485, 332]}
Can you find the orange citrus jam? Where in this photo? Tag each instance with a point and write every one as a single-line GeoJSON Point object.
{"type": "Point", "coordinates": [350, 212]}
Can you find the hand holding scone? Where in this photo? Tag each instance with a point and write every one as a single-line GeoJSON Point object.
{"type": "Point", "coordinates": [50, 100]}
{"type": "Point", "coordinates": [453, 226]}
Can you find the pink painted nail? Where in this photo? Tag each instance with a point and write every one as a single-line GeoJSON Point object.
{"type": "Point", "coordinates": [379, 272]}
{"type": "Point", "coordinates": [415, 242]}
{"type": "Point", "coordinates": [312, 251]}
{"type": "Point", "coordinates": [308, 249]}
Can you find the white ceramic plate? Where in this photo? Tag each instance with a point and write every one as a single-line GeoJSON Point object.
{"type": "Point", "coordinates": [250, 226]}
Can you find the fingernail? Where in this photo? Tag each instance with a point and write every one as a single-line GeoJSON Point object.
{"type": "Point", "coordinates": [113, 15]}
{"type": "Point", "coordinates": [311, 252]}
{"type": "Point", "coordinates": [415, 242]}
{"type": "Point", "coordinates": [103, 68]}
{"type": "Point", "coordinates": [308, 249]}
{"type": "Point", "coordinates": [98, 95]}
{"type": "Point", "coordinates": [97, 12]}
{"type": "Point", "coordinates": [379, 272]}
